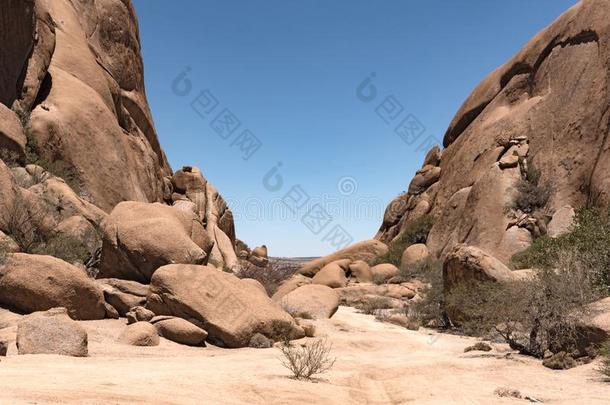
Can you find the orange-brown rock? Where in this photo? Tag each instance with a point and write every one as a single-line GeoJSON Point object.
{"type": "Point", "coordinates": [73, 72]}
{"type": "Point", "coordinates": [548, 107]}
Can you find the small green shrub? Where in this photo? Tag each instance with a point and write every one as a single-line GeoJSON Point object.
{"type": "Point", "coordinates": [282, 331]}
{"type": "Point", "coordinates": [532, 195]}
{"type": "Point", "coordinates": [588, 241]}
{"type": "Point", "coordinates": [260, 341]}
{"type": "Point", "coordinates": [20, 222]}
{"type": "Point", "coordinates": [416, 231]}
{"type": "Point", "coordinates": [429, 310]}
{"type": "Point", "coordinates": [65, 247]}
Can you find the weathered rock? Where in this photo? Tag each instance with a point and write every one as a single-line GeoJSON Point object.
{"type": "Point", "coordinates": [12, 137]}
{"type": "Point", "coordinates": [289, 285]}
{"type": "Point", "coordinates": [231, 312]}
{"type": "Point", "coordinates": [260, 251]}
{"type": "Point", "coordinates": [181, 331]}
{"type": "Point", "coordinates": [111, 312]}
{"type": "Point", "coordinates": [424, 178]}
{"type": "Point", "coordinates": [414, 254]}
{"type": "Point", "coordinates": [213, 211]}
{"type": "Point", "coordinates": [139, 314]}
{"type": "Point", "coordinates": [138, 238]}
{"type": "Point", "coordinates": [30, 283]}
{"type": "Point", "coordinates": [126, 286]}
{"type": "Point", "coordinates": [311, 301]}
{"type": "Point", "coordinates": [254, 283]}
{"type": "Point", "coordinates": [52, 332]}
{"type": "Point", "coordinates": [120, 301]}
{"type": "Point", "coordinates": [511, 122]}
{"type": "Point", "coordinates": [562, 221]}
{"type": "Point", "coordinates": [467, 264]}
{"type": "Point", "coordinates": [361, 271]}
{"type": "Point", "coordinates": [331, 275]}
{"type": "Point", "coordinates": [366, 250]}
{"type": "Point", "coordinates": [82, 87]}
{"type": "Point", "coordinates": [383, 272]}
{"type": "Point", "coordinates": [352, 295]}
{"type": "Point", "coordinates": [140, 334]}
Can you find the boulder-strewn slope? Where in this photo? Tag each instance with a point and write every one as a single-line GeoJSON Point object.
{"type": "Point", "coordinates": [545, 111]}
{"type": "Point", "coordinates": [72, 72]}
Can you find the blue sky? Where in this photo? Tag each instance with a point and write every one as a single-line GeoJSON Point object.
{"type": "Point", "coordinates": [276, 81]}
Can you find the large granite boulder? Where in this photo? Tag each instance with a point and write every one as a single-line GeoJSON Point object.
{"type": "Point", "coordinates": [52, 332]}
{"type": "Point", "coordinates": [138, 238]}
{"type": "Point", "coordinates": [311, 301]}
{"type": "Point", "coordinates": [74, 73]}
{"type": "Point", "coordinates": [231, 312]}
{"type": "Point", "coordinates": [30, 283]}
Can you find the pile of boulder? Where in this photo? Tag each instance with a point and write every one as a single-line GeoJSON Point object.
{"type": "Point", "coordinates": [348, 277]}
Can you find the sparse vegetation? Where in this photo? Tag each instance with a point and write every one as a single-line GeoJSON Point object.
{"type": "Point", "coordinates": [308, 360]}
{"type": "Point", "coordinates": [260, 341]}
{"type": "Point", "coordinates": [56, 166]}
{"type": "Point", "coordinates": [270, 277]}
{"type": "Point", "coordinates": [65, 247]}
{"type": "Point", "coordinates": [282, 331]}
{"type": "Point", "coordinates": [3, 252]}
{"type": "Point", "coordinates": [416, 231]}
{"type": "Point", "coordinates": [9, 157]}
{"type": "Point", "coordinates": [532, 195]}
{"type": "Point", "coordinates": [429, 310]}
{"type": "Point", "coordinates": [20, 222]}
{"type": "Point", "coordinates": [532, 316]}
{"type": "Point", "coordinates": [588, 242]}
{"type": "Point", "coordinates": [372, 305]}
{"type": "Point", "coordinates": [604, 367]}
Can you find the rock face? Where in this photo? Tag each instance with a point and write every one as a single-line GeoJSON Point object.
{"type": "Point", "coordinates": [192, 192]}
{"type": "Point", "coordinates": [74, 74]}
{"type": "Point", "coordinates": [469, 263]}
{"type": "Point", "coordinates": [231, 312]}
{"type": "Point", "coordinates": [547, 108]}
{"type": "Point", "coordinates": [138, 238]}
{"type": "Point", "coordinates": [30, 283]}
{"type": "Point", "coordinates": [312, 301]}
{"type": "Point", "coordinates": [366, 250]}
{"type": "Point", "coordinates": [52, 332]}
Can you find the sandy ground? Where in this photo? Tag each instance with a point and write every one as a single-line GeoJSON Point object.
{"type": "Point", "coordinates": [376, 364]}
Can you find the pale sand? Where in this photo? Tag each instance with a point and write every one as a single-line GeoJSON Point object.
{"type": "Point", "coordinates": [376, 363]}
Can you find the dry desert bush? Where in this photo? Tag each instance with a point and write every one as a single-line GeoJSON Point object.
{"type": "Point", "coordinates": [308, 360]}
{"type": "Point", "coordinates": [533, 316]}
{"type": "Point", "coordinates": [270, 277]}
{"type": "Point", "coordinates": [416, 231]}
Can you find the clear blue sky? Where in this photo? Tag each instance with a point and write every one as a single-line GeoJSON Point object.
{"type": "Point", "coordinates": [289, 71]}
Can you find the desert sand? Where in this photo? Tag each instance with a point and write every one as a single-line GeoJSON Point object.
{"type": "Point", "coordinates": [377, 363]}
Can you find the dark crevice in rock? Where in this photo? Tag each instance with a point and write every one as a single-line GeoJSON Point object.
{"type": "Point", "coordinates": [44, 91]}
